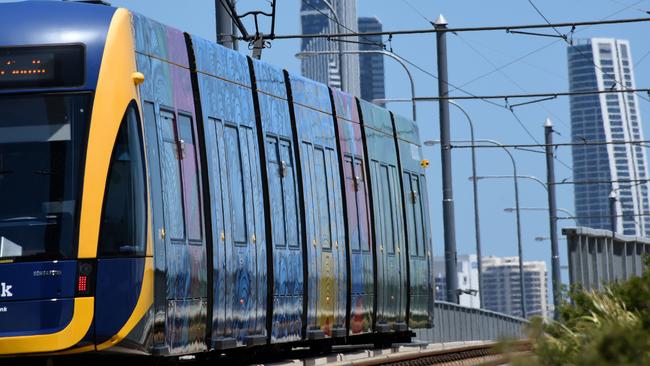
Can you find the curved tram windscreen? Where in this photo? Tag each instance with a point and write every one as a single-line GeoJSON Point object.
{"type": "Point", "coordinates": [40, 174]}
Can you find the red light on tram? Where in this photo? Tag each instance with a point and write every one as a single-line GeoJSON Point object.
{"type": "Point", "coordinates": [82, 284]}
{"type": "Point", "coordinates": [85, 278]}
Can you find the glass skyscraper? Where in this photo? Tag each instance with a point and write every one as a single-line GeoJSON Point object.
{"type": "Point", "coordinates": [339, 71]}
{"type": "Point", "coordinates": [371, 65]}
{"type": "Point", "coordinates": [502, 292]}
{"type": "Point", "coordinates": [618, 168]}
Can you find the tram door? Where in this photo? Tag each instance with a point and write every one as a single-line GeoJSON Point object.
{"type": "Point", "coordinates": [362, 296]}
{"type": "Point", "coordinates": [391, 265]}
{"type": "Point", "coordinates": [186, 275]}
{"type": "Point", "coordinates": [234, 184]}
{"type": "Point", "coordinates": [419, 251]}
{"type": "Point", "coordinates": [285, 224]}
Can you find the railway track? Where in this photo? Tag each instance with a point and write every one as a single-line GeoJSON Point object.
{"type": "Point", "coordinates": [456, 354]}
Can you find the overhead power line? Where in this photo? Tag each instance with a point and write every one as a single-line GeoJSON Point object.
{"type": "Point", "coordinates": [383, 46]}
{"type": "Point", "coordinates": [578, 50]}
{"type": "Point", "coordinates": [418, 12]}
{"type": "Point", "coordinates": [532, 52]}
{"type": "Point", "coordinates": [601, 216]}
{"type": "Point", "coordinates": [620, 181]}
{"type": "Point", "coordinates": [559, 144]}
{"type": "Point", "coordinates": [520, 96]}
{"type": "Point", "coordinates": [506, 28]}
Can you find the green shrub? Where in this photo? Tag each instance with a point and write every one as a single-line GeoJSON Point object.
{"type": "Point", "coordinates": [610, 327]}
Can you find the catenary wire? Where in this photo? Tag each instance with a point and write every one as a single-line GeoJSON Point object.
{"type": "Point", "coordinates": [539, 49]}
{"type": "Point", "coordinates": [506, 76]}
{"type": "Point", "coordinates": [556, 145]}
{"type": "Point", "coordinates": [411, 63]}
{"type": "Point", "coordinates": [582, 54]}
{"type": "Point", "coordinates": [435, 77]}
{"type": "Point", "coordinates": [466, 29]}
{"type": "Point", "coordinates": [641, 59]}
{"type": "Point", "coordinates": [637, 9]}
{"type": "Point", "coordinates": [418, 12]}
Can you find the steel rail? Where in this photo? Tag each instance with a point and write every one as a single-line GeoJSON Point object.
{"type": "Point", "coordinates": [466, 353]}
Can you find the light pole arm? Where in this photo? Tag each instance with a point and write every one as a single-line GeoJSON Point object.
{"type": "Point", "coordinates": [376, 52]}
{"type": "Point", "coordinates": [515, 178]}
{"type": "Point", "coordinates": [569, 213]}
{"type": "Point", "coordinates": [477, 222]}
{"type": "Point", "coordinates": [531, 177]}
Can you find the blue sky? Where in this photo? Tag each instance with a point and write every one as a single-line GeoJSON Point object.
{"type": "Point", "coordinates": [470, 55]}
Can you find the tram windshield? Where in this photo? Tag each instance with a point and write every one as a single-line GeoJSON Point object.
{"type": "Point", "coordinates": [40, 174]}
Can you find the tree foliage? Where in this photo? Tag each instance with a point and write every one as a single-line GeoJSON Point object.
{"type": "Point", "coordinates": [608, 327]}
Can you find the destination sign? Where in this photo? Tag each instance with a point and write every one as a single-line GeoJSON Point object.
{"type": "Point", "coordinates": [41, 67]}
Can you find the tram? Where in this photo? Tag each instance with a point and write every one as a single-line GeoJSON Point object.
{"type": "Point", "coordinates": [162, 195]}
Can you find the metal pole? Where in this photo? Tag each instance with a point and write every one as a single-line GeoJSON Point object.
{"type": "Point", "coordinates": [225, 25]}
{"type": "Point", "coordinates": [522, 288]}
{"type": "Point", "coordinates": [517, 208]}
{"type": "Point", "coordinates": [477, 223]}
{"type": "Point", "coordinates": [552, 216]}
{"type": "Point", "coordinates": [515, 177]}
{"type": "Point", "coordinates": [445, 149]}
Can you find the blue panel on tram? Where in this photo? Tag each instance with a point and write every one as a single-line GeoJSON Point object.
{"type": "Point", "coordinates": [417, 229]}
{"type": "Point", "coordinates": [388, 218]}
{"type": "Point", "coordinates": [170, 127]}
{"type": "Point", "coordinates": [323, 201]}
{"type": "Point", "coordinates": [285, 215]}
{"type": "Point", "coordinates": [235, 186]}
{"type": "Point", "coordinates": [118, 288]}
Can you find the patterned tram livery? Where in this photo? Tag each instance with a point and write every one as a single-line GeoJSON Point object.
{"type": "Point", "coordinates": [166, 196]}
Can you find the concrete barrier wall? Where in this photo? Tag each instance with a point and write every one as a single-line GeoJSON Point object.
{"type": "Point", "coordinates": [598, 257]}
{"type": "Point", "coordinates": [455, 323]}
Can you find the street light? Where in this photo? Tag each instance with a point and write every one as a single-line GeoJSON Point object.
{"type": "Point", "coordinates": [378, 52]}
{"type": "Point", "coordinates": [552, 228]}
{"type": "Point", "coordinates": [567, 212]}
{"type": "Point", "coordinates": [530, 177]}
{"type": "Point", "coordinates": [515, 178]}
{"type": "Point", "coordinates": [477, 223]}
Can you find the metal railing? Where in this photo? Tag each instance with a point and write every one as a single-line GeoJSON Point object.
{"type": "Point", "coordinates": [456, 323]}
{"type": "Point", "coordinates": [598, 257]}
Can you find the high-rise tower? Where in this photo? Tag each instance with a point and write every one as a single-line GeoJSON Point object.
{"type": "Point", "coordinates": [336, 70]}
{"type": "Point", "coordinates": [618, 169]}
{"type": "Point", "coordinates": [501, 290]}
{"type": "Point", "coordinates": [371, 65]}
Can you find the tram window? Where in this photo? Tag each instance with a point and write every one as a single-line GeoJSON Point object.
{"type": "Point", "coordinates": [123, 218]}
{"type": "Point", "coordinates": [364, 229]}
{"type": "Point", "coordinates": [191, 176]}
{"type": "Point", "coordinates": [411, 213]}
{"type": "Point", "coordinates": [236, 184]}
{"type": "Point", "coordinates": [171, 168]}
{"type": "Point", "coordinates": [348, 170]}
{"type": "Point", "coordinates": [309, 191]}
{"type": "Point", "coordinates": [275, 189]}
{"type": "Point", "coordinates": [289, 190]}
{"type": "Point", "coordinates": [321, 183]}
{"type": "Point", "coordinates": [419, 215]}
{"type": "Point", "coordinates": [378, 203]}
{"type": "Point", "coordinates": [388, 213]}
